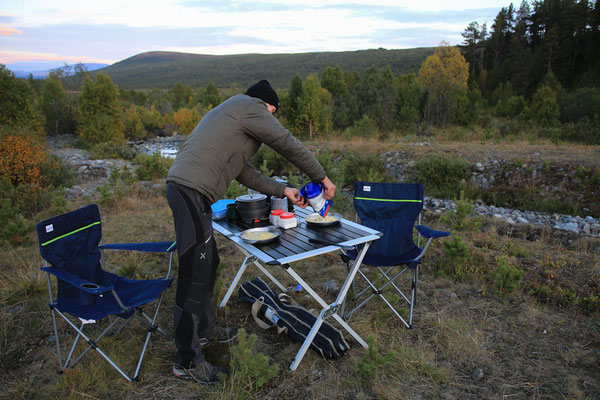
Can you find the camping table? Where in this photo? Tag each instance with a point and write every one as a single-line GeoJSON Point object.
{"type": "Point", "coordinates": [294, 245]}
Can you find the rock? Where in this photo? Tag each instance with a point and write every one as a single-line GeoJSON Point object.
{"type": "Point", "coordinates": [477, 374]}
{"type": "Point", "coordinates": [522, 220]}
{"type": "Point", "coordinates": [569, 226]}
{"type": "Point", "coordinates": [511, 221]}
{"type": "Point", "coordinates": [586, 228]}
{"type": "Point", "coordinates": [330, 285]}
{"type": "Point", "coordinates": [453, 296]}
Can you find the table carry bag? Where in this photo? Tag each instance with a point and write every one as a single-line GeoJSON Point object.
{"type": "Point", "coordinates": [270, 309]}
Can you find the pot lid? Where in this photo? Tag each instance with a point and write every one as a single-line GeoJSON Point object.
{"type": "Point", "coordinates": [249, 198]}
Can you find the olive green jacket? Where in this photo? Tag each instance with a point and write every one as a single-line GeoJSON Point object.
{"type": "Point", "coordinates": [220, 147]}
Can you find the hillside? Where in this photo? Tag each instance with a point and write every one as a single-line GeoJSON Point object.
{"type": "Point", "coordinates": [164, 69]}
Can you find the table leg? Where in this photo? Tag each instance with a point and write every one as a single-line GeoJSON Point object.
{"type": "Point", "coordinates": [308, 341]}
{"type": "Point", "coordinates": [328, 310]}
{"type": "Point", "coordinates": [344, 291]}
{"type": "Point", "coordinates": [237, 278]}
{"type": "Point", "coordinates": [271, 277]}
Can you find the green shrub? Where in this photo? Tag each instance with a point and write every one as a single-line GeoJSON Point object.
{"type": "Point", "coordinates": [544, 109]}
{"type": "Point", "coordinates": [590, 304]}
{"type": "Point", "coordinates": [270, 159]}
{"type": "Point", "coordinates": [586, 130]}
{"type": "Point", "coordinates": [133, 124]}
{"type": "Point", "coordinates": [461, 220]}
{"type": "Point", "coordinates": [329, 165]}
{"type": "Point", "coordinates": [14, 227]}
{"type": "Point", "coordinates": [100, 128]}
{"type": "Point", "coordinates": [357, 167]}
{"type": "Point", "coordinates": [249, 370]}
{"type": "Point", "coordinates": [152, 167]}
{"type": "Point", "coordinates": [235, 189]}
{"type": "Point", "coordinates": [102, 151]}
{"type": "Point", "coordinates": [58, 173]}
{"type": "Point", "coordinates": [506, 278]}
{"type": "Point", "coordinates": [372, 363]}
{"type": "Point", "coordinates": [365, 127]}
{"type": "Point", "coordinates": [443, 176]}
{"type": "Point", "coordinates": [511, 107]}
{"type": "Point", "coordinates": [457, 254]}
{"type": "Point", "coordinates": [579, 104]}
{"type": "Point", "coordinates": [596, 177]}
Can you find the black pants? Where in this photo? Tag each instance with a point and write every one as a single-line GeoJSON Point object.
{"type": "Point", "coordinates": [194, 310]}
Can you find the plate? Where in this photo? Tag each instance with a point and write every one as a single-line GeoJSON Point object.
{"type": "Point", "coordinates": [260, 235]}
{"type": "Point", "coordinates": [320, 222]}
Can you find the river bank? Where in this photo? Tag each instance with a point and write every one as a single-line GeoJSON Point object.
{"type": "Point", "coordinates": [94, 173]}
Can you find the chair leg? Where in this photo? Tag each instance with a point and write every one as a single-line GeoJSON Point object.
{"type": "Point", "coordinates": [94, 346]}
{"type": "Point", "coordinates": [413, 295]}
{"type": "Point", "coordinates": [56, 339]}
{"type": "Point", "coordinates": [100, 336]}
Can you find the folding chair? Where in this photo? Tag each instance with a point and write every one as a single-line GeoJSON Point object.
{"type": "Point", "coordinates": [393, 209]}
{"type": "Point", "coordinates": [69, 244]}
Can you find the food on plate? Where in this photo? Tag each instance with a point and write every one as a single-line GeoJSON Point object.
{"type": "Point", "coordinates": [265, 235]}
{"type": "Point", "coordinates": [316, 218]}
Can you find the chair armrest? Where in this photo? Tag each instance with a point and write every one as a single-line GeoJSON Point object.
{"type": "Point", "coordinates": [153, 247]}
{"type": "Point", "coordinates": [82, 284]}
{"type": "Point", "coordinates": [427, 232]}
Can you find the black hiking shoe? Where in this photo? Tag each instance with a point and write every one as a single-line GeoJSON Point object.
{"type": "Point", "coordinates": [225, 335]}
{"type": "Point", "coordinates": [204, 373]}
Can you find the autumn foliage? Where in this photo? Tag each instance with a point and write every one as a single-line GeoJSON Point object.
{"type": "Point", "coordinates": [444, 75]}
{"type": "Point", "coordinates": [186, 119]}
{"type": "Point", "coordinates": [21, 159]}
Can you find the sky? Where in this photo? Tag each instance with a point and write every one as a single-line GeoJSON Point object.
{"type": "Point", "coordinates": [36, 34]}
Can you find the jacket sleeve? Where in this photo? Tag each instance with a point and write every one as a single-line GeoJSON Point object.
{"type": "Point", "coordinates": [264, 127]}
{"type": "Point", "coordinates": [254, 179]}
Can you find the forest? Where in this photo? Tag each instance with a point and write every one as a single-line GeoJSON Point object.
{"type": "Point", "coordinates": [533, 74]}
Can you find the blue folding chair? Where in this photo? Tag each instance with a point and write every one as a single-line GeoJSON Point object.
{"type": "Point", "coordinates": [70, 246]}
{"type": "Point", "coordinates": [393, 209]}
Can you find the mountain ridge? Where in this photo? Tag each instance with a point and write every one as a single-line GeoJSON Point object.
{"type": "Point", "coordinates": [163, 69]}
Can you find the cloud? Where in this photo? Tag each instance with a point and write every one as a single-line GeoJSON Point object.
{"type": "Point", "coordinates": [118, 29]}
{"type": "Point", "coordinates": [13, 56]}
{"type": "Point", "coordinates": [8, 31]}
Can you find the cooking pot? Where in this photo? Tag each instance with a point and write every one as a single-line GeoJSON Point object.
{"type": "Point", "coordinates": [252, 206]}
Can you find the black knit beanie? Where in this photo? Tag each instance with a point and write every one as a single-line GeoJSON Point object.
{"type": "Point", "coordinates": [263, 90]}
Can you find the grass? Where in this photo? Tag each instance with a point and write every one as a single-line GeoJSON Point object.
{"type": "Point", "coordinates": [527, 345]}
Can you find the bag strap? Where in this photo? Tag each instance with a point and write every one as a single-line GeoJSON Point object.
{"type": "Point", "coordinates": [262, 324]}
{"type": "Point", "coordinates": [286, 298]}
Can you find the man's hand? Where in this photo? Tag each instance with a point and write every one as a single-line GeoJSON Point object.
{"type": "Point", "coordinates": [293, 195]}
{"type": "Point", "coordinates": [329, 189]}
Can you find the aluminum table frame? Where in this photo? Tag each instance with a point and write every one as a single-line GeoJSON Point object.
{"type": "Point", "coordinates": [294, 245]}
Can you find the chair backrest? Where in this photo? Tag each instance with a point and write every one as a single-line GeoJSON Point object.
{"type": "Point", "coordinates": [70, 242]}
{"type": "Point", "coordinates": [391, 208]}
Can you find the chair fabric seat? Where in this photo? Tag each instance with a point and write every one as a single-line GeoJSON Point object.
{"type": "Point", "coordinates": [390, 259]}
{"type": "Point", "coordinates": [133, 293]}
